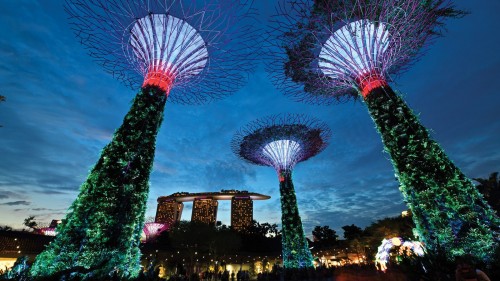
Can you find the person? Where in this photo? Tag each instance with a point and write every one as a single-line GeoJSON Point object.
{"type": "Point", "coordinates": [466, 271]}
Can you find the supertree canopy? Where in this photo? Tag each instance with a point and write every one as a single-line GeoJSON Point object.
{"type": "Point", "coordinates": [335, 50]}
{"type": "Point", "coordinates": [151, 231]}
{"type": "Point", "coordinates": [281, 142]}
{"type": "Point", "coordinates": [190, 51]}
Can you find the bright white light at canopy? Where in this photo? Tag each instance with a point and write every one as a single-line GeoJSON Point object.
{"type": "Point", "coordinates": [355, 50]}
{"type": "Point", "coordinates": [163, 43]}
{"type": "Point", "coordinates": [283, 154]}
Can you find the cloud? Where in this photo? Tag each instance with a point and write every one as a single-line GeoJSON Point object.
{"type": "Point", "coordinates": [228, 175]}
{"type": "Point", "coordinates": [16, 203]}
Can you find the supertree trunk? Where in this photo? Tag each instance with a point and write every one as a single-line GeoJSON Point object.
{"type": "Point", "coordinates": [449, 212]}
{"type": "Point", "coordinates": [100, 235]}
{"type": "Point", "coordinates": [296, 253]}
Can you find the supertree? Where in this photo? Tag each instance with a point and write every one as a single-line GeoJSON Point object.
{"type": "Point", "coordinates": [190, 51]}
{"type": "Point", "coordinates": [48, 231]}
{"type": "Point", "coordinates": [336, 50]}
{"type": "Point", "coordinates": [151, 230]}
{"type": "Point", "coordinates": [281, 141]}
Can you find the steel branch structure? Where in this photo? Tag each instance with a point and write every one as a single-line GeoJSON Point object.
{"type": "Point", "coordinates": [281, 142]}
{"type": "Point", "coordinates": [328, 51]}
{"type": "Point", "coordinates": [199, 50]}
{"type": "Point", "coordinates": [335, 50]}
{"type": "Point", "coordinates": [187, 50]}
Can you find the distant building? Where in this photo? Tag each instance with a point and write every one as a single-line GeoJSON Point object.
{"type": "Point", "coordinates": [205, 205]}
{"type": "Point", "coordinates": [241, 212]}
{"type": "Point", "coordinates": [205, 210]}
{"type": "Point", "coordinates": [169, 211]}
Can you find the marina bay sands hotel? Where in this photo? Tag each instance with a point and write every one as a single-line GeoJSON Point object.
{"type": "Point", "coordinates": [205, 206]}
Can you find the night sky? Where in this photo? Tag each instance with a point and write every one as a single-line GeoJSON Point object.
{"type": "Point", "coordinates": [62, 109]}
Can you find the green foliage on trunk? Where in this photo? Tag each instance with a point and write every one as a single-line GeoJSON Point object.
{"type": "Point", "coordinates": [101, 232]}
{"type": "Point", "coordinates": [296, 253]}
{"type": "Point", "coordinates": [448, 211]}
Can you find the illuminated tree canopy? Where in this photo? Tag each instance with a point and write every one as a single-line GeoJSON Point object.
{"type": "Point", "coordinates": [188, 51]}
{"type": "Point", "coordinates": [281, 141]}
{"type": "Point", "coordinates": [327, 51]}
{"type": "Point", "coordinates": [200, 52]}
{"type": "Point", "coordinates": [331, 51]}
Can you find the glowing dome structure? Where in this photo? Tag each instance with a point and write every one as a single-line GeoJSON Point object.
{"type": "Point", "coordinates": [334, 51]}
{"type": "Point", "coordinates": [196, 52]}
{"type": "Point", "coordinates": [282, 154]}
{"type": "Point", "coordinates": [151, 230]}
{"type": "Point", "coordinates": [282, 142]}
{"type": "Point", "coordinates": [356, 54]}
{"type": "Point", "coordinates": [188, 51]}
{"type": "Point", "coordinates": [166, 48]}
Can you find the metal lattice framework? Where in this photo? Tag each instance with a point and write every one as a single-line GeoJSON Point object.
{"type": "Point", "coordinates": [281, 141]}
{"type": "Point", "coordinates": [197, 50]}
{"type": "Point", "coordinates": [333, 50]}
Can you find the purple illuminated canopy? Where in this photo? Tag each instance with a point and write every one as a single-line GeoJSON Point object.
{"type": "Point", "coordinates": [281, 141]}
{"type": "Point", "coordinates": [333, 50]}
{"type": "Point", "coordinates": [151, 230]}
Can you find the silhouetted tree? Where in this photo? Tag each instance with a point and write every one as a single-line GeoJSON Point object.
{"type": "Point", "coordinates": [226, 241]}
{"type": "Point", "coordinates": [263, 238]}
{"type": "Point", "coordinates": [490, 188]}
{"type": "Point", "coordinates": [194, 239]}
{"type": "Point", "coordinates": [324, 236]}
{"type": "Point", "coordinates": [5, 228]}
{"type": "Point", "coordinates": [387, 228]}
{"type": "Point", "coordinates": [352, 232]}
{"type": "Point", "coordinates": [30, 222]}
{"type": "Point", "coordinates": [263, 230]}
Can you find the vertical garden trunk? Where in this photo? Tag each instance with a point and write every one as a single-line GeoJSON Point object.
{"type": "Point", "coordinates": [100, 235]}
{"type": "Point", "coordinates": [447, 209]}
{"type": "Point", "coordinates": [296, 253]}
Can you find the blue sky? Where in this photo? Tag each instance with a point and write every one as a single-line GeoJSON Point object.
{"type": "Point", "coordinates": [62, 109]}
